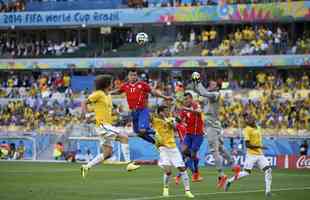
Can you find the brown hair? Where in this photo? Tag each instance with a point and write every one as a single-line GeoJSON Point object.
{"type": "Point", "coordinates": [103, 81]}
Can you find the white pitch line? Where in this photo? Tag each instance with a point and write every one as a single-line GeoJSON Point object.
{"type": "Point", "coordinates": [215, 193]}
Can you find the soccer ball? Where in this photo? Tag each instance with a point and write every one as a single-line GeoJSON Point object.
{"type": "Point", "coordinates": [142, 38]}
{"type": "Point", "coordinates": [195, 76]}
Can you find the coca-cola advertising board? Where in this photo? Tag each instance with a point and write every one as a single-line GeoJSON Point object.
{"type": "Point", "coordinates": [293, 162]}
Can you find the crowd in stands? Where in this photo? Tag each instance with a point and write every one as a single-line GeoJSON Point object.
{"type": "Point", "coordinates": [12, 6]}
{"type": "Point", "coordinates": [271, 110]}
{"type": "Point", "coordinates": [275, 101]}
{"type": "Point", "coordinates": [244, 41]}
{"type": "Point", "coordinates": [195, 41]}
{"type": "Point", "coordinates": [52, 85]}
{"type": "Point", "coordinates": [41, 48]}
{"type": "Point", "coordinates": [254, 41]}
{"type": "Point", "coordinates": [249, 40]}
{"type": "Point", "coordinates": [181, 3]}
{"type": "Point", "coordinates": [35, 113]}
{"type": "Point", "coordinates": [20, 5]}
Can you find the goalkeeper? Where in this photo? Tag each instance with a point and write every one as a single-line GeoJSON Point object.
{"type": "Point", "coordinates": [213, 126]}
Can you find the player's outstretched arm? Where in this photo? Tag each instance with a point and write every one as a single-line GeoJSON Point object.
{"type": "Point", "coordinates": [200, 88]}
{"type": "Point", "coordinates": [156, 93]}
{"type": "Point", "coordinates": [86, 112]}
{"type": "Point", "coordinates": [115, 91]}
{"type": "Point", "coordinates": [196, 110]}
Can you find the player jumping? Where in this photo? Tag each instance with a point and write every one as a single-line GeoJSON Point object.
{"type": "Point", "coordinates": [137, 93]}
{"type": "Point", "coordinates": [190, 114]}
{"type": "Point", "coordinates": [255, 156]}
{"type": "Point", "coordinates": [213, 126]}
{"type": "Point", "coordinates": [102, 103]}
{"type": "Point", "coordinates": [169, 155]}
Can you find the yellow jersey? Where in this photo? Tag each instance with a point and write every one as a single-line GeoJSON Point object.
{"type": "Point", "coordinates": [66, 80]}
{"type": "Point", "coordinates": [261, 77]}
{"type": "Point", "coordinates": [254, 136]}
{"type": "Point", "coordinates": [102, 104]}
{"type": "Point", "coordinates": [164, 129]}
{"type": "Point", "coordinates": [205, 36]}
{"type": "Point", "coordinates": [212, 34]}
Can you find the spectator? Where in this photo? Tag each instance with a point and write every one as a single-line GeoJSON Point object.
{"type": "Point", "coordinates": [21, 149]}
{"type": "Point", "coordinates": [4, 150]}
{"type": "Point", "coordinates": [14, 48]}
{"type": "Point", "coordinates": [12, 154]}
{"type": "Point", "coordinates": [192, 39]}
{"type": "Point", "coordinates": [303, 149]}
{"type": "Point", "coordinates": [58, 151]}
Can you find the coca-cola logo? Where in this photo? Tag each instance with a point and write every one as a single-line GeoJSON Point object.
{"type": "Point", "coordinates": [303, 162]}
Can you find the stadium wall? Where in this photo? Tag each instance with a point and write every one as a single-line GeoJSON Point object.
{"type": "Point", "coordinates": [140, 150]}
{"type": "Point", "coordinates": [220, 13]}
{"type": "Point", "coordinates": [159, 62]}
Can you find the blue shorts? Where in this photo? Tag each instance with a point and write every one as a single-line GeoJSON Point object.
{"type": "Point", "coordinates": [141, 120]}
{"type": "Point", "coordinates": [193, 142]}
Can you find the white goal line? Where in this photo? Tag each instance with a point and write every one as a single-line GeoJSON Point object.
{"type": "Point", "coordinates": [215, 193]}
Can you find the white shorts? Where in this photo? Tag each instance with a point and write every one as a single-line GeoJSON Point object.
{"type": "Point", "coordinates": [107, 134]}
{"type": "Point", "coordinates": [170, 157]}
{"type": "Point", "coordinates": [259, 160]}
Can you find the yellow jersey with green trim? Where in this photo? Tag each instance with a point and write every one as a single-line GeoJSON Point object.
{"type": "Point", "coordinates": [102, 105]}
{"type": "Point", "coordinates": [165, 131]}
{"type": "Point", "coordinates": [254, 136]}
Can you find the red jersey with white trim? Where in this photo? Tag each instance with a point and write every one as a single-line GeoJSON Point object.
{"type": "Point", "coordinates": [137, 94]}
{"type": "Point", "coordinates": [192, 120]}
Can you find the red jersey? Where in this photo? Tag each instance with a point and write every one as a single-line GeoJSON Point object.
{"type": "Point", "coordinates": [181, 129]}
{"type": "Point", "coordinates": [192, 120]}
{"type": "Point", "coordinates": [137, 94]}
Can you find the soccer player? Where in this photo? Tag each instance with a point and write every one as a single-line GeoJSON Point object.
{"type": "Point", "coordinates": [213, 126]}
{"type": "Point", "coordinates": [137, 93]}
{"type": "Point", "coordinates": [255, 156]}
{"type": "Point", "coordinates": [181, 130]}
{"type": "Point", "coordinates": [191, 115]}
{"type": "Point", "coordinates": [169, 155]}
{"type": "Point", "coordinates": [102, 104]}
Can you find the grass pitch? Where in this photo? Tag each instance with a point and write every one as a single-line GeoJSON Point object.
{"type": "Point", "coordinates": [60, 181]}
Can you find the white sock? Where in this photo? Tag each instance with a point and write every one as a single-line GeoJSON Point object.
{"type": "Point", "coordinates": [166, 180]}
{"type": "Point", "coordinates": [126, 153]}
{"type": "Point", "coordinates": [185, 179]}
{"type": "Point", "coordinates": [95, 161]}
{"type": "Point", "coordinates": [240, 175]}
{"type": "Point", "coordinates": [268, 179]}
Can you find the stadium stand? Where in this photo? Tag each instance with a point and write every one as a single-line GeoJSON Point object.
{"type": "Point", "coordinates": [171, 41]}
{"type": "Point", "coordinates": [39, 48]}
{"type": "Point", "coordinates": [115, 4]}
{"type": "Point", "coordinates": [12, 6]}
{"type": "Point", "coordinates": [42, 99]}
{"type": "Point", "coordinates": [47, 102]}
{"type": "Point", "coordinates": [73, 5]}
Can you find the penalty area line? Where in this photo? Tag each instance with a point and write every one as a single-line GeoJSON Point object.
{"type": "Point", "coordinates": [215, 193]}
